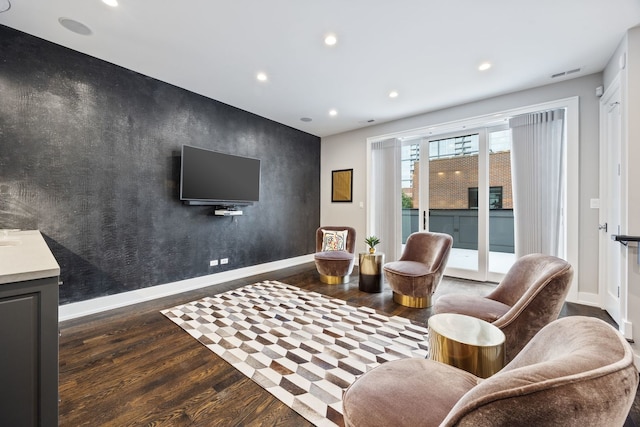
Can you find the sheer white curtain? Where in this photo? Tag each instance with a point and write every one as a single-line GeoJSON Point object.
{"type": "Point", "coordinates": [386, 196]}
{"type": "Point", "coordinates": [538, 179]}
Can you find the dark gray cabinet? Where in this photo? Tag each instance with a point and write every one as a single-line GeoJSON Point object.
{"type": "Point", "coordinates": [29, 276]}
{"type": "Point", "coordinates": [29, 352]}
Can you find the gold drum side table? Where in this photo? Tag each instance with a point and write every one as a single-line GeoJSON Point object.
{"type": "Point", "coordinates": [370, 271]}
{"type": "Point", "coordinates": [466, 343]}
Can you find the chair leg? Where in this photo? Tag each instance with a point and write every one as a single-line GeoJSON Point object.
{"type": "Point", "coordinates": [412, 302]}
{"type": "Point", "coordinates": [334, 280]}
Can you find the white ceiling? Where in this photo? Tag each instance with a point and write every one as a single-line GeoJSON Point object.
{"type": "Point", "coordinates": [427, 50]}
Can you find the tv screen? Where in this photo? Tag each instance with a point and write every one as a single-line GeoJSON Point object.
{"type": "Point", "coordinates": [213, 178]}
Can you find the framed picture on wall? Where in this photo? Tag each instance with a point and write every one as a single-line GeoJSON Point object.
{"type": "Point", "coordinates": [342, 185]}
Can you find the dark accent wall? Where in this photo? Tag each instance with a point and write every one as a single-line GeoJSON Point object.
{"type": "Point", "coordinates": [90, 156]}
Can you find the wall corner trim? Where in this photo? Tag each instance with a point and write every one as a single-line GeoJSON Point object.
{"type": "Point", "coordinates": [97, 305]}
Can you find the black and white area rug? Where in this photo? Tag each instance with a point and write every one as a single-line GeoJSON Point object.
{"type": "Point", "coordinates": [303, 347]}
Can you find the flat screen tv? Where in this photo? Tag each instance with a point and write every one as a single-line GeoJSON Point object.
{"type": "Point", "coordinates": [209, 177]}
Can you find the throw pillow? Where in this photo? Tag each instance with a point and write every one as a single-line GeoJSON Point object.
{"type": "Point", "coordinates": [334, 240]}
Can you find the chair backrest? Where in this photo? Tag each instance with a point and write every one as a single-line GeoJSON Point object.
{"type": "Point", "coordinates": [350, 241]}
{"type": "Point", "coordinates": [428, 248]}
{"type": "Point", "coordinates": [576, 371]}
{"type": "Point", "coordinates": [535, 288]}
{"type": "Point", "coordinates": [527, 274]}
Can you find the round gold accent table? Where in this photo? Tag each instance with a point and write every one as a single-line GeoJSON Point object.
{"type": "Point", "coordinates": [466, 343]}
{"type": "Point", "coordinates": [370, 267]}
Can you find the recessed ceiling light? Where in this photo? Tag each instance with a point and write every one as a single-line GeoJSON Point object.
{"type": "Point", "coordinates": [393, 94]}
{"type": "Point", "coordinates": [330, 40]}
{"type": "Point", "coordinates": [75, 26]}
{"type": "Point", "coordinates": [112, 3]}
{"type": "Point", "coordinates": [333, 112]}
{"type": "Point", "coordinates": [262, 77]}
{"type": "Point", "coordinates": [305, 119]}
{"type": "Point", "coordinates": [484, 66]}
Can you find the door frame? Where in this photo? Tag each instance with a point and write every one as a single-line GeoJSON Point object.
{"type": "Point", "coordinates": [612, 95]}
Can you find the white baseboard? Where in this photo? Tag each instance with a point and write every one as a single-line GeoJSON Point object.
{"type": "Point", "coordinates": [626, 329]}
{"type": "Point", "coordinates": [588, 298]}
{"type": "Point", "coordinates": [97, 305]}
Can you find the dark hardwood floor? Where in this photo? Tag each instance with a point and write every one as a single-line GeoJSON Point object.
{"type": "Point", "coordinates": [132, 366]}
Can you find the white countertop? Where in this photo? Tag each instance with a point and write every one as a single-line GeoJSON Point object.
{"type": "Point", "coordinates": [24, 255]}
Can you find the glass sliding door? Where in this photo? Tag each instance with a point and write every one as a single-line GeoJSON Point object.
{"type": "Point", "coordinates": [466, 192]}
{"type": "Point", "coordinates": [456, 178]}
{"type": "Point", "coordinates": [410, 186]}
{"type": "Point", "coordinates": [501, 235]}
{"type": "Point", "coordinates": [453, 199]}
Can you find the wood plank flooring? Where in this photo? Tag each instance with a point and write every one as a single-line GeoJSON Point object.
{"type": "Point", "coordinates": [133, 367]}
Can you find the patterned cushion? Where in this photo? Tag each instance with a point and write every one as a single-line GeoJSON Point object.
{"type": "Point", "coordinates": [334, 240]}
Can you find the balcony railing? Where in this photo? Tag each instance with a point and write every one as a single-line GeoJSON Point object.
{"type": "Point", "coordinates": [462, 224]}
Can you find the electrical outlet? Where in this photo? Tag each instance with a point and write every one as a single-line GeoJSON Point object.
{"type": "Point", "coordinates": [224, 261]}
{"type": "Point", "coordinates": [213, 263]}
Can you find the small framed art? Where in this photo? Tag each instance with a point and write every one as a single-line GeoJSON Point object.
{"type": "Point", "coordinates": [342, 185]}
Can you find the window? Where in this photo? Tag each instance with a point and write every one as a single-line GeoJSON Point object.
{"type": "Point", "coordinates": [451, 147]}
{"type": "Point", "coordinates": [410, 155]}
{"type": "Point", "coordinates": [495, 197]}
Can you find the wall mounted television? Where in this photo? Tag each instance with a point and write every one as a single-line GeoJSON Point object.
{"type": "Point", "coordinates": [209, 177]}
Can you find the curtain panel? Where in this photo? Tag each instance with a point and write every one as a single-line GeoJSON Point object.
{"type": "Point", "coordinates": [387, 196]}
{"type": "Point", "coordinates": [538, 174]}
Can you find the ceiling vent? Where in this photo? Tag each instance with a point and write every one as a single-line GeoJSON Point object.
{"type": "Point", "coordinates": [566, 73]}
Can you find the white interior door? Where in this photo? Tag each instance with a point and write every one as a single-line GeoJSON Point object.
{"type": "Point", "coordinates": [610, 190]}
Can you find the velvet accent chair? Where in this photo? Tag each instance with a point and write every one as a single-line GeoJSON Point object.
{"type": "Point", "coordinates": [530, 296]}
{"type": "Point", "coordinates": [416, 275]}
{"type": "Point", "coordinates": [577, 371]}
{"type": "Point", "coordinates": [335, 253]}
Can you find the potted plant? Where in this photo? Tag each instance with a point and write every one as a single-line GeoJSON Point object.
{"type": "Point", "coordinates": [372, 241]}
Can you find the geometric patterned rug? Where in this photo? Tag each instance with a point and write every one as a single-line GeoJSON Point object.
{"type": "Point", "coordinates": [303, 347]}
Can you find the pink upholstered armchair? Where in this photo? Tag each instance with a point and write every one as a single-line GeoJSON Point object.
{"type": "Point", "coordinates": [577, 371]}
{"type": "Point", "coordinates": [335, 253]}
{"type": "Point", "coordinates": [417, 274]}
{"type": "Point", "coordinates": [529, 297]}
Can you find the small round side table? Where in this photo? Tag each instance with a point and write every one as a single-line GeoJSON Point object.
{"type": "Point", "coordinates": [466, 343]}
{"type": "Point", "coordinates": [370, 272]}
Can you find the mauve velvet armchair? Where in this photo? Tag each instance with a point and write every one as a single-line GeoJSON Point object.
{"type": "Point", "coordinates": [529, 297]}
{"type": "Point", "coordinates": [577, 371]}
{"type": "Point", "coordinates": [335, 266]}
{"type": "Point", "coordinates": [416, 275]}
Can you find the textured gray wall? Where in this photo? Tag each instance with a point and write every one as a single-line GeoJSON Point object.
{"type": "Point", "coordinates": [89, 155]}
